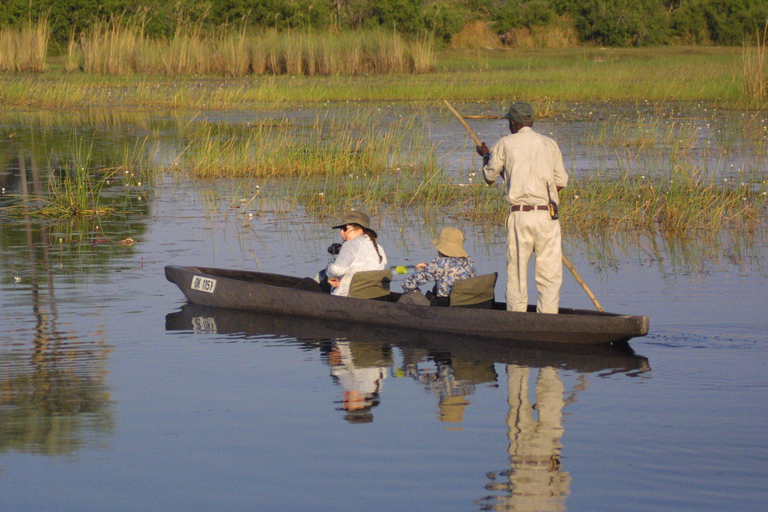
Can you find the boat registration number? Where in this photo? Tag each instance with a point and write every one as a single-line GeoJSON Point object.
{"type": "Point", "coordinates": [203, 284]}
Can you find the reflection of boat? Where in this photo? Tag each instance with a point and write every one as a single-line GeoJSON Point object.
{"type": "Point", "coordinates": [274, 294]}
{"type": "Point", "coordinates": [607, 359]}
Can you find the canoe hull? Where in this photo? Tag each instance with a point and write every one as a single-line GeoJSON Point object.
{"type": "Point", "coordinates": [272, 294]}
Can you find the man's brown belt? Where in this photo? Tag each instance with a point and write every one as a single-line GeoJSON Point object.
{"type": "Point", "coordinates": [526, 207]}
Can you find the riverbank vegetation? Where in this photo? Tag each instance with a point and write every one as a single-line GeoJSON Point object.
{"type": "Point", "coordinates": [558, 75]}
{"type": "Point", "coordinates": [508, 23]}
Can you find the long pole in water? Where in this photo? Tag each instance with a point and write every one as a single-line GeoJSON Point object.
{"type": "Point", "coordinates": [565, 260]}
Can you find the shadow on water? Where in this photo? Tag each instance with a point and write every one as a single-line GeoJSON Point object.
{"type": "Point", "coordinates": [450, 367]}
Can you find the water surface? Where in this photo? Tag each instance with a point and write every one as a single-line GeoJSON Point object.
{"type": "Point", "coordinates": [116, 395]}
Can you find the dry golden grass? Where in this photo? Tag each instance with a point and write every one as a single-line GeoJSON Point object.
{"type": "Point", "coordinates": [121, 47]}
{"type": "Point", "coordinates": [755, 65]}
{"type": "Point", "coordinates": [25, 48]}
{"type": "Point", "coordinates": [476, 34]}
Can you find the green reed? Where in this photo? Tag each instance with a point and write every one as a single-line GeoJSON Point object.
{"type": "Point", "coordinates": [72, 189]}
{"type": "Point", "coordinates": [77, 187]}
{"type": "Point", "coordinates": [360, 144]}
{"type": "Point", "coordinates": [684, 202]}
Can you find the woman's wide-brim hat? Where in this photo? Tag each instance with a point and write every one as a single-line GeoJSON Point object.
{"type": "Point", "coordinates": [450, 242]}
{"type": "Point", "coordinates": [355, 217]}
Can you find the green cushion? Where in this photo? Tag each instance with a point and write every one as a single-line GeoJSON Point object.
{"type": "Point", "coordinates": [370, 284]}
{"type": "Point", "coordinates": [475, 290]}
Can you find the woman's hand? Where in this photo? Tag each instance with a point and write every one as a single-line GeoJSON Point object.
{"type": "Point", "coordinates": [420, 265]}
{"type": "Point", "coordinates": [334, 282]}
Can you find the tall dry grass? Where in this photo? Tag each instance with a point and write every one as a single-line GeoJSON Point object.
{"type": "Point", "coordinates": [755, 66]}
{"type": "Point", "coordinates": [120, 46]}
{"type": "Point", "coordinates": [25, 48]}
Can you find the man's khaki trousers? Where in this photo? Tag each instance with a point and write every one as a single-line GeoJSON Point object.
{"type": "Point", "coordinates": [534, 232]}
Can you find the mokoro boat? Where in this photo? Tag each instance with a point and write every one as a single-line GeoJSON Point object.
{"type": "Point", "coordinates": [309, 333]}
{"type": "Point", "coordinates": [274, 294]}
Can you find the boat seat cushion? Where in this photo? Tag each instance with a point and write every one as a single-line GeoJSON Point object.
{"type": "Point", "coordinates": [476, 292]}
{"type": "Point", "coordinates": [370, 284]}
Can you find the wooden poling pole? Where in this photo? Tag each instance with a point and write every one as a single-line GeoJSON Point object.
{"type": "Point", "coordinates": [462, 121]}
{"type": "Point", "coordinates": [582, 283]}
{"type": "Point", "coordinates": [565, 260]}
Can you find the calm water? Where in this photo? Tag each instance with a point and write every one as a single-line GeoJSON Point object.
{"type": "Point", "coordinates": [115, 395]}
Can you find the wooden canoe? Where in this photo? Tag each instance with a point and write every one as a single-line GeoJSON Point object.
{"type": "Point", "coordinates": [274, 294]}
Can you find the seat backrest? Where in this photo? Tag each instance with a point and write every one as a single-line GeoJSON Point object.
{"type": "Point", "coordinates": [475, 291]}
{"type": "Point", "coordinates": [370, 284]}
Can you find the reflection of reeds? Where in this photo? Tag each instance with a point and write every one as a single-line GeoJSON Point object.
{"type": "Point", "coordinates": [25, 48]}
{"type": "Point", "coordinates": [121, 47]}
{"type": "Point", "coordinates": [755, 66]}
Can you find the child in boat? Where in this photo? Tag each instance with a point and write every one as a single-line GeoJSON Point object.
{"type": "Point", "coordinates": [452, 264]}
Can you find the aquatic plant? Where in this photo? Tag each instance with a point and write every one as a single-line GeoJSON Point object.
{"type": "Point", "coordinates": [684, 202]}
{"type": "Point", "coordinates": [363, 143]}
{"type": "Point", "coordinates": [76, 186]}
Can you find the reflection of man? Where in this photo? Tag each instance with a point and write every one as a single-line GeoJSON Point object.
{"type": "Point", "coordinates": [359, 371]}
{"type": "Point", "coordinates": [536, 482]}
{"type": "Point", "coordinates": [532, 167]}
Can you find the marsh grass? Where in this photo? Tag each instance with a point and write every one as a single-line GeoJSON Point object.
{"type": "Point", "coordinates": [25, 48]}
{"type": "Point", "coordinates": [558, 75]}
{"type": "Point", "coordinates": [684, 203]}
{"type": "Point", "coordinates": [77, 187]}
{"type": "Point", "coordinates": [121, 47]}
{"type": "Point", "coordinates": [73, 191]}
{"type": "Point", "coordinates": [359, 145]}
{"type": "Point", "coordinates": [755, 66]}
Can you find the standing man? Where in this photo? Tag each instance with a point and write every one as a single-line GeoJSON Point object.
{"type": "Point", "coordinates": [532, 168]}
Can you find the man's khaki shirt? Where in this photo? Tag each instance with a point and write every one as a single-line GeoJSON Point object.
{"type": "Point", "coordinates": [530, 163]}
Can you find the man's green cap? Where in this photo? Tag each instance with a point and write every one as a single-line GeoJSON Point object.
{"type": "Point", "coordinates": [520, 112]}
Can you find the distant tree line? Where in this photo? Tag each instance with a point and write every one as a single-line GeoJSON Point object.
{"type": "Point", "coordinates": [603, 22]}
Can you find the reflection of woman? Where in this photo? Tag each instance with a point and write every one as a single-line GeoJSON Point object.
{"type": "Point", "coordinates": [359, 368]}
{"type": "Point", "coordinates": [359, 252]}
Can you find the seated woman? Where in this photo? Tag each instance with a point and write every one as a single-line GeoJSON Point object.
{"type": "Point", "coordinates": [359, 252]}
{"type": "Point", "coordinates": [452, 264]}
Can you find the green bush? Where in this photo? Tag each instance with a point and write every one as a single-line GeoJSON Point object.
{"type": "Point", "coordinates": [623, 22]}
{"type": "Point", "coordinates": [530, 13]}
{"type": "Point", "coordinates": [723, 22]}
